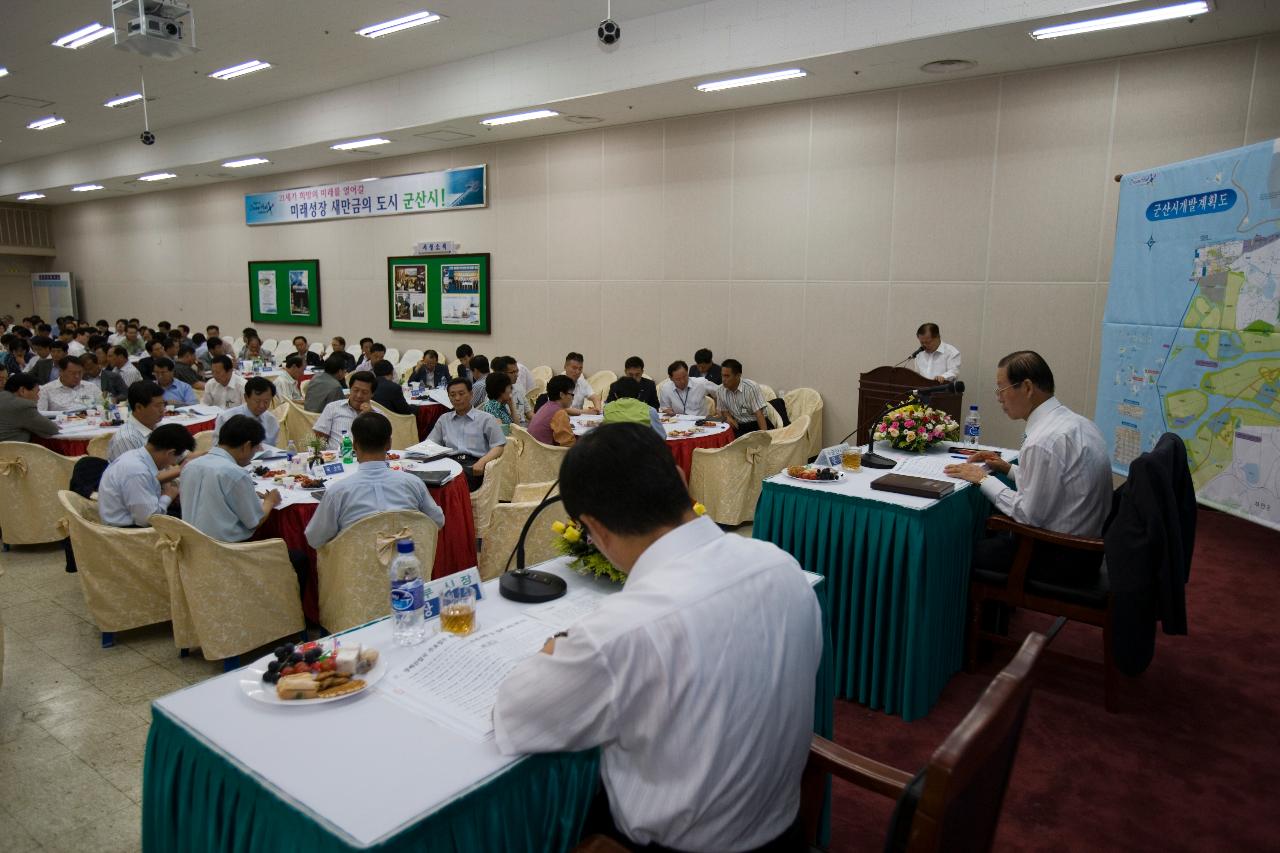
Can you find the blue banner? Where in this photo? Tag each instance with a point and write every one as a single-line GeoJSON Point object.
{"type": "Point", "coordinates": [425, 192]}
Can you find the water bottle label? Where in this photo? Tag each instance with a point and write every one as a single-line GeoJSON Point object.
{"type": "Point", "coordinates": [406, 596]}
{"type": "Point", "coordinates": [971, 430]}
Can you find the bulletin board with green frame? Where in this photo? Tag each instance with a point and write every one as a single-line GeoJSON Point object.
{"type": "Point", "coordinates": [445, 293]}
{"type": "Point", "coordinates": [285, 292]}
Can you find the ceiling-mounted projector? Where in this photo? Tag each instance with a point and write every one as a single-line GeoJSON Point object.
{"type": "Point", "coordinates": [162, 29]}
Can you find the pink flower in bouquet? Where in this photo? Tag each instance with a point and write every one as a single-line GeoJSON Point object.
{"type": "Point", "coordinates": [909, 424]}
{"type": "Point", "coordinates": [937, 432]}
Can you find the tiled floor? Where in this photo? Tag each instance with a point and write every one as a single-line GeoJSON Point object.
{"type": "Point", "coordinates": [74, 716]}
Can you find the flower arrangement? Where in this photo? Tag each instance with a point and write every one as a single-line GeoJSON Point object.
{"type": "Point", "coordinates": [573, 541]}
{"type": "Point", "coordinates": [916, 427]}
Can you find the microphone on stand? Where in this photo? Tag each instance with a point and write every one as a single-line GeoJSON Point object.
{"type": "Point", "coordinates": [955, 386]}
{"type": "Point", "coordinates": [529, 585]}
{"type": "Point", "coordinates": [871, 459]}
{"type": "Point", "coordinates": [908, 358]}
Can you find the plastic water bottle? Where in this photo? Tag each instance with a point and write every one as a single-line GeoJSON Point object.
{"type": "Point", "coordinates": [290, 451]}
{"type": "Point", "coordinates": [348, 451]}
{"type": "Point", "coordinates": [408, 627]}
{"type": "Point", "coordinates": [972, 427]}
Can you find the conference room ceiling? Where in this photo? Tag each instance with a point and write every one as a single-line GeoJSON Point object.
{"type": "Point", "coordinates": [317, 60]}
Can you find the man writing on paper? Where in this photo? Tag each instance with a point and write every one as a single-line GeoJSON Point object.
{"type": "Point", "coordinates": [696, 680]}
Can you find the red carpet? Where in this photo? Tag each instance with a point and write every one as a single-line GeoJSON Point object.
{"type": "Point", "coordinates": [1192, 762]}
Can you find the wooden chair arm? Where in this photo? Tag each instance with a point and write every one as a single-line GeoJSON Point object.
{"type": "Point", "coordinates": [828, 757]}
{"type": "Point", "coordinates": [1079, 543]}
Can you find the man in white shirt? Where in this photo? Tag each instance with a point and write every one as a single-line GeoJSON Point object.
{"type": "Point", "coordinates": [259, 394]}
{"type": "Point", "coordinates": [739, 400]}
{"type": "Point", "coordinates": [685, 395]}
{"type": "Point", "coordinates": [337, 416]}
{"type": "Point", "coordinates": [936, 359]}
{"type": "Point", "coordinates": [582, 393]}
{"type": "Point", "coordinates": [226, 389]}
{"type": "Point", "coordinates": [696, 680]}
{"type": "Point", "coordinates": [118, 360]}
{"type": "Point", "coordinates": [1063, 474]}
{"type": "Point", "coordinates": [289, 382]}
{"type": "Point", "coordinates": [146, 410]}
{"type": "Point", "coordinates": [67, 392]}
{"type": "Point", "coordinates": [131, 490]}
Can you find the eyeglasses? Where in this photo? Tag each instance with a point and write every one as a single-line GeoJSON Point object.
{"type": "Point", "coordinates": [1001, 389]}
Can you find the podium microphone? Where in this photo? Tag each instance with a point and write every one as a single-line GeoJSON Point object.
{"type": "Point", "coordinates": [955, 386]}
{"type": "Point", "coordinates": [908, 358]}
{"type": "Point", "coordinates": [526, 585]}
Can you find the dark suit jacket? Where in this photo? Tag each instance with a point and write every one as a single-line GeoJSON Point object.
{"type": "Point", "coordinates": [311, 359]}
{"type": "Point", "coordinates": [648, 392]}
{"type": "Point", "coordinates": [713, 373]}
{"type": "Point", "coordinates": [390, 395]}
{"type": "Point", "coordinates": [42, 370]}
{"type": "Point", "coordinates": [146, 367]}
{"type": "Point", "coordinates": [20, 419]}
{"type": "Point", "coordinates": [112, 383]}
{"type": "Point", "coordinates": [350, 361]}
{"type": "Point", "coordinates": [1148, 547]}
{"type": "Point", "coordinates": [441, 374]}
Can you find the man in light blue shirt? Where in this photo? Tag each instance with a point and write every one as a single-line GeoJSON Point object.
{"type": "Point", "coordinates": [374, 487]}
{"type": "Point", "coordinates": [175, 390]}
{"type": "Point", "coordinates": [473, 433]}
{"type": "Point", "coordinates": [259, 394]}
{"type": "Point", "coordinates": [337, 416]}
{"type": "Point", "coordinates": [218, 497]}
{"type": "Point", "coordinates": [146, 410]}
{"type": "Point", "coordinates": [130, 491]}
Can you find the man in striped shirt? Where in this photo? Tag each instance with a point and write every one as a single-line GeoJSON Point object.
{"type": "Point", "coordinates": [739, 400]}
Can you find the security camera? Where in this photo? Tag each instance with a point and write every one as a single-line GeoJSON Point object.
{"type": "Point", "coordinates": [148, 138]}
{"type": "Point", "coordinates": [609, 32]}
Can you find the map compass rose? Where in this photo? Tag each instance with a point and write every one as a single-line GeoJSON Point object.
{"type": "Point", "coordinates": [1151, 241]}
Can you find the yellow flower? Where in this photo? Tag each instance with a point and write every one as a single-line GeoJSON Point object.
{"type": "Point", "coordinates": [699, 509]}
{"type": "Point", "coordinates": [557, 526]}
{"type": "Point", "coordinates": [572, 535]}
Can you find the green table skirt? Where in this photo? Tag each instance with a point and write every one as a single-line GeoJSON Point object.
{"type": "Point", "coordinates": [897, 581]}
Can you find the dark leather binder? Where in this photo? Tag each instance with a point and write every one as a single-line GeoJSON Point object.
{"type": "Point", "coordinates": [918, 487]}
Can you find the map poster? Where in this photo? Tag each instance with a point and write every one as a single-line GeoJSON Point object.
{"type": "Point", "coordinates": [1191, 334]}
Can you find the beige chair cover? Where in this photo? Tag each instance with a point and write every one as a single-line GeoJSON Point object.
{"type": "Point", "coordinates": [542, 373]}
{"type": "Point", "coordinates": [204, 441]}
{"type": "Point", "coordinates": [535, 492]}
{"type": "Point", "coordinates": [727, 479]}
{"type": "Point", "coordinates": [536, 462]}
{"type": "Point", "coordinates": [404, 428]}
{"type": "Point", "coordinates": [227, 598]}
{"type": "Point", "coordinates": [121, 573]}
{"type": "Point", "coordinates": [600, 382]}
{"type": "Point", "coordinates": [30, 478]}
{"type": "Point", "coordinates": [98, 445]}
{"type": "Point", "coordinates": [353, 583]}
{"type": "Point", "coordinates": [785, 451]}
{"type": "Point", "coordinates": [807, 401]}
{"type": "Point", "coordinates": [299, 426]}
{"type": "Point", "coordinates": [798, 427]}
{"type": "Point", "coordinates": [504, 531]}
{"type": "Point", "coordinates": [485, 498]}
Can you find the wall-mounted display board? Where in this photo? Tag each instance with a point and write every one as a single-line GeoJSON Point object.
{"type": "Point", "coordinates": [285, 292]}
{"type": "Point", "coordinates": [447, 293]}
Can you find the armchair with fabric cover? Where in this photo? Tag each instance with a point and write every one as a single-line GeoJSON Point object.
{"type": "Point", "coordinates": [409, 361]}
{"type": "Point", "coordinates": [121, 572]}
{"type": "Point", "coordinates": [504, 531]}
{"type": "Point", "coordinates": [98, 445]}
{"type": "Point", "coordinates": [299, 427]}
{"type": "Point", "coordinates": [798, 428]}
{"type": "Point", "coordinates": [787, 446]}
{"type": "Point", "coordinates": [30, 479]}
{"type": "Point", "coordinates": [227, 598]}
{"type": "Point", "coordinates": [204, 441]}
{"type": "Point", "coordinates": [807, 401]}
{"type": "Point", "coordinates": [726, 480]}
{"type": "Point", "coordinates": [600, 382]}
{"type": "Point", "coordinates": [536, 462]}
{"type": "Point", "coordinates": [542, 373]}
{"type": "Point", "coordinates": [281, 411]}
{"type": "Point", "coordinates": [485, 498]}
{"type": "Point", "coordinates": [392, 355]}
{"type": "Point", "coordinates": [352, 581]}
{"type": "Point", "coordinates": [404, 428]}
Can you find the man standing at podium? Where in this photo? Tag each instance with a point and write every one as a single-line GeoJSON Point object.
{"type": "Point", "coordinates": [936, 359]}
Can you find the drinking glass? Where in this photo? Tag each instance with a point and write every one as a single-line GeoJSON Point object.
{"type": "Point", "coordinates": [852, 459]}
{"type": "Point", "coordinates": [458, 610]}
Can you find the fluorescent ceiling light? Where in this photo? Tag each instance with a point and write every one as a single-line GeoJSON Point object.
{"type": "Point", "coordinates": [4, 72]}
{"type": "Point", "coordinates": [30, 196]}
{"type": "Point", "coordinates": [512, 119]}
{"type": "Point", "coordinates": [386, 28]}
{"type": "Point", "coordinates": [240, 70]}
{"type": "Point", "coordinates": [768, 77]}
{"type": "Point", "coordinates": [83, 36]}
{"type": "Point", "coordinates": [46, 123]}
{"type": "Point", "coordinates": [123, 100]}
{"type": "Point", "coordinates": [360, 143]}
{"type": "Point", "coordinates": [87, 188]}
{"type": "Point", "coordinates": [1146, 16]}
{"type": "Point", "coordinates": [248, 161]}
{"type": "Point", "coordinates": [158, 176]}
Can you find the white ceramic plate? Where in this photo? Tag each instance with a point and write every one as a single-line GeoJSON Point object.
{"type": "Point", "coordinates": [840, 475]}
{"type": "Point", "coordinates": [252, 685]}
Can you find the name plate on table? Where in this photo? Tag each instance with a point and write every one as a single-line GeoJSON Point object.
{"type": "Point", "coordinates": [832, 456]}
{"type": "Point", "coordinates": [433, 590]}
{"type": "Point", "coordinates": [917, 487]}
{"type": "Point", "coordinates": [333, 468]}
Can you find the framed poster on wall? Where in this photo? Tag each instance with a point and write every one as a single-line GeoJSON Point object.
{"type": "Point", "coordinates": [445, 293]}
{"type": "Point", "coordinates": [285, 292]}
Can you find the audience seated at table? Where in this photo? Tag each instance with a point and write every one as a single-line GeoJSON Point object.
{"type": "Point", "coordinates": [187, 367]}
{"type": "Point", "coordinates": [627, 407]}
{"type": "Point", "coordinates": [146, 364]}
{"type": "Point", "coordinates": [146, 410]}
{"type": "Point", "coordinates": [302, 348]}
{"type": "Point", "coordinates": [132, 342]}
{"type": "Point", "coordinates": [739, 400]}
{"type": "Point", "coordinates": [41, 363]}
{"type": "Point", "coordinates": [374, 487]}
{"type": "Point", "coordinates": [633, 368]}
{"type": "Point", "coordinates": [289, 382]}
{"type": "Point", "coordinates": [326, 387]}
{"type": "Point", "coordinates": [497, 402]}
{"type": "Point", "coordinates": [133, 487]}
{"type": "Point", "coordinates": [479, 372]}
{"type": "Point", "coordinates": [253, 351]}
{"type": "Point", "coordinates": [582, 393]}
{"type": "Point", "coordinates": [519, 400]}
{"type": "Point", "coordinates": [377, 352]}
{"type": "Point", "coordinates": [551, 424]}
{"type": "Point", "coordinates": [68, 392]}
{"type": "Point", "coordinates": [20, 418]}
{"type": "Point", "coordinates": [474, 434]}
{"type": "Point", "coordinates": [214, 347]}
{"type": "Point", "coordinates": [259, 396]}
{"type": "Point", "coordinates": [685, 394]}
{"type": "Point", "coordinates": [109, 382]}
{"type": "Point", "coordinates": [704, 367]}
{"type": "Point", "coordinates": [118, 361]}
{"type": "Point", "coordinates": [387, 392]}
{"type": "Point", "coordinates": [337, 416]}
{"type": "Point", "coordinates": [17, 354]}
{"type": "Point", "coordinates": [463, 353]}
{"type": "Point", "coordinates": [245, 333]}
{"type": "Point", "coordinates": [225, 389]}
{"type": "Point", "coordinates": [338, 347]}
{"type": "Point", "coordinates": [217, 490]}
{"type": "Point", "coordinates": [712, 645]}
{"type": "Point", "coordinates": [430, 372]}
{"type": "Point", "coordinates": [176, 391]}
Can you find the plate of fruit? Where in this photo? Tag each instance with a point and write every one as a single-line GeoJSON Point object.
{"type": "Point", "coordinates": [312, 673]}
{"type": "Point", "coordinates": [815, 474]}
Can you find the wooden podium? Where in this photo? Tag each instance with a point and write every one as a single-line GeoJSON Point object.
{"type": "Point", "coordinates": [891, 385]}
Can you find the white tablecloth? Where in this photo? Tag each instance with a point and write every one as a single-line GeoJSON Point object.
{"type": "Point", "coordinates": [291, 493]}
{"type": "Point", "coordinates": [583, 424]}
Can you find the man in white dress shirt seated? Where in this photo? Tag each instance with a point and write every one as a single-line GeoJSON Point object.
{"type": "Point", "coordinates": [696, 680]}
{"type": "Point", "coordinates": [582, 393]}
{"type": "Point", "coordinates": [259, 396]}
{"type": "Point", "coordinates": [936, 359]}
{"type": "Point", "coordinates": [475, 435]}
{"type": "Point", "coordinates": [685, 394]}
{"type": "Point", "coordinates": [118, 360]}
{"type": "Point", "coordinates": [226, 389]}
{"type": "Point", "coordinates": [133, 488]}
{"type": "Point", "coordinates": [337, 416]}
{"type": "Point", "coordinates": [1063, 476]}
{"type": "Point", "coordinates": [67, 392]}
{"type": "Point", "coordinates": [146, 410]}
{"type": "Point", "coordinates": [374, 487]}
{"type": "Point", "coordinates": [289, 382]}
